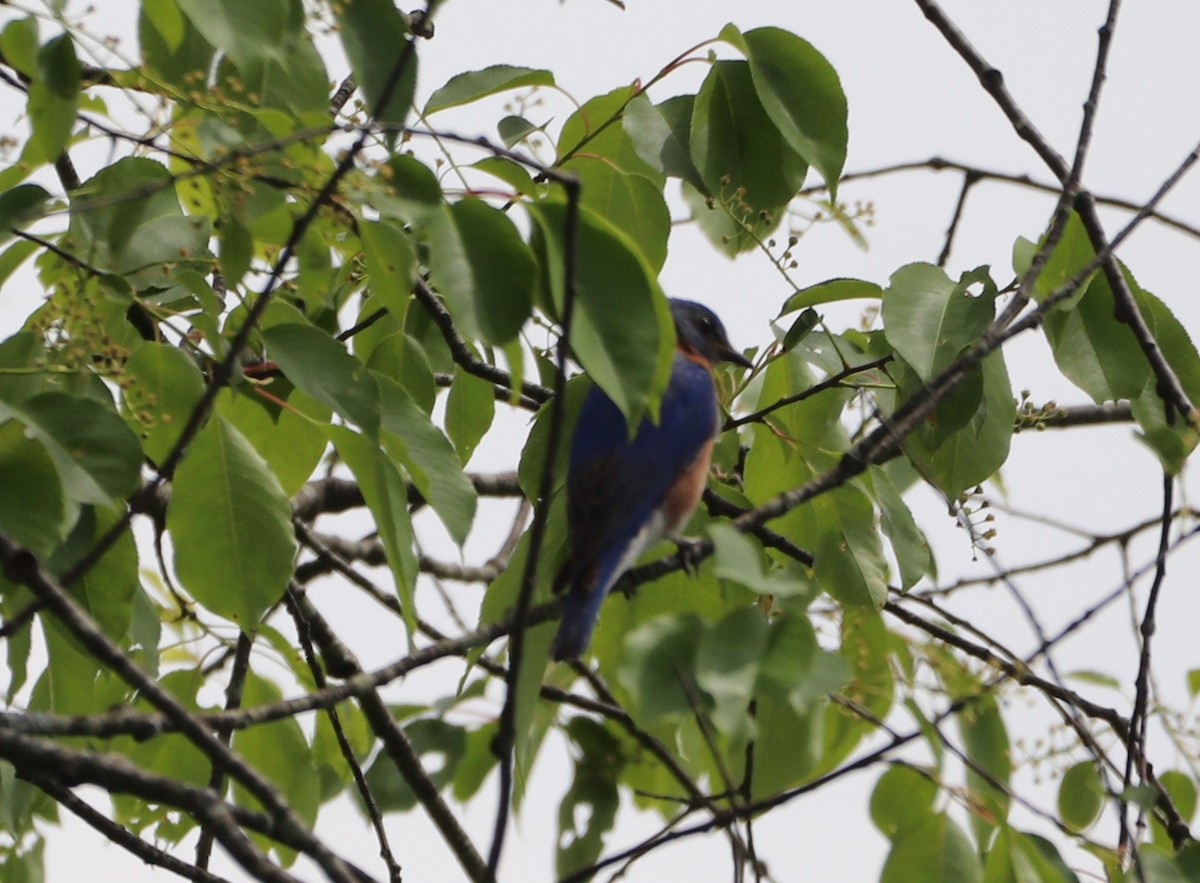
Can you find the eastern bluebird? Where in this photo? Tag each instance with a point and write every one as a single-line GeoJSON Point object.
{"type": "Point", "coordinates": [623, 496]}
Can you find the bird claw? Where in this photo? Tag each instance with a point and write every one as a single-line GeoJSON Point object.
{"type": "Point", "coordinates": [689, 549]}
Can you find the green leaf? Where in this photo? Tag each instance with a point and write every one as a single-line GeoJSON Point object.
{"type": "Point", "coordinates": [801, 93]}
{"type": "Point", "coordinates": [934, 850]}
{"type": "Point", "coordinates": [172, 47]}
{"type": "Point", "coordinates": [622, 332]}
{"type": "Point", "coordinates": [589, 808]}
{"type": "Point", "coordinates": [849, 558]}
{"type": "Point", "coordinates": [929, 319]}
{"type": "Point", "coordinates": [979, 443]}
{"type": "Point", "coordinates": [479, 261]}
{"type": "Point", "coordinates": [514, 129]}
{"type": "Point", "coordinates": [279, 751]}
{"type": "Point", "coordinates": [106, 589]}
{"type": "Point", "coordinates": [320, 366]}
{"type": "Point", "coordinates": [68, 683]}
{"type": "Point", "coordinates": [1172, 443]}
{"type": "Point", "coordinates": [19, 42]}
{"type": "Point", "coordinates": [903, 797]}
{"type": "Point", "coordinates": [986, 741]}
{"type": "Point", "coordinates": [1071, 254]}
{"type": "Point", "coordinates": [391, 265]}
{"type": "Point", "coordinates": [248, 33]}
{"type": "Point", "coordinates": [429, 458]}
{"type": "Point", "coordinates": [470, 407]}
{"type": "Point", "coordinates": [511, 173]}
{"type": "Point", "coordinates": [52, 118]}
{"type": "Point", "coordinates": [796, 668]}
{"type": "Point", "coordinates": [908, 543]}
{"type": "Point", "coordinates": [1016, 857]}
{"type": "Point", "coordinates": [375, 37]}
{"type": "Point", "coordinates": [1096, 352]}
{"type": "Point", "coordinates": [97, 455]}
{"type": "Point", "coordinates": [19, 205]}
{"type": "Point", "coordinates": [231, 526]}
{"type": "Point", "coordinates": [428, 736]}
{"type": "Point", "coordinates": [164, 385]}
{"type": "Point", "coordinates": [595, 129]}
{"type": "Point", "coordinates": [127, 219]}
{"type": "Point", "coordinates": [473, 85]}
{"type": "Point", "coordinates": [727, 667]}
{"type": "Point", "coordinates": [657, 656]}
{"type": "Point", "coordinates": [661, 135]}
{"type": "Point", "coordinates": [387, 497]}
{"type": "Point", "coordinates": [743, 160]}
{"type": "Point", "coordinates": [631, 203]}
{"type": "Point", "coordinates": [291, 438]}
{"type": "Point", "coordinates": [831, 291]}
{"type": "Point", "coordinates": [1080, 796]}
{"type": "Point", "coordinates": [32, 508]}
{"type": "Point", "coordinates": [740, 560]}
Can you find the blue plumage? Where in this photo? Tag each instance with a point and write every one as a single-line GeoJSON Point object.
{"type": "Point", "coordinates": [622, 495]}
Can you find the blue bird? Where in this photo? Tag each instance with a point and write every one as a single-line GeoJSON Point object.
{"type": "Point", "coordinates": [623, 496]}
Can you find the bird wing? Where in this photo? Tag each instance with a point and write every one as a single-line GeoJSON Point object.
{"type": "Point", "coordinates": [614, 484]}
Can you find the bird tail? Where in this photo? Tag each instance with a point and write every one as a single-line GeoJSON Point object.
{"type": "Point", "coordinates": [581, 608]}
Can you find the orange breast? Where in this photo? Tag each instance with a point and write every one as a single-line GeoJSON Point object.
{"type": "Point", "coordinates": [681, 500]}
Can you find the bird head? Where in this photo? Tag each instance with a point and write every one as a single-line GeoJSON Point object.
{"type": "Point", "coordinates": [701, 336]}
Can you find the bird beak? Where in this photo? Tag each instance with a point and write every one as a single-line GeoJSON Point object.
{"type": "Point", "coordinates": [729, 354]}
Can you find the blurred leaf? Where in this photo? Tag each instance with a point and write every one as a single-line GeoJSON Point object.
{"type": "Point", "coordinates": [19, 42]}
{"type": "Point", "coordinates": [727, 666]}
{"type": "Point", "coordinates": [375, 37]}
{"type": "Point", "coordinates": [172, 47]}
{"type": "Point", "coordinates": [428, 736]}
{"type": "Point", "coordinates": [1016, 857]}
{"type": "Point", "coordinates": [903, 797]}
{"type": "Point", "coordinates": [247, 32]}
{"type": "Point", "coordinates": [986, 740]}
{"type": "Point", "coordinates": [231, 526]}
{"type": "Point", "coordinates": [1080, 796]}
{"type": "Point", "coordinates": [657, 655]}
{"type": "Point", "coordinates": [19, 205]}
{"type": "Point", "coordinates": [740, 560]}
{"type": "Point", "coordinates": [54, 96]}
{"type": "Point", "coordinates": [801, 93]}
{"type": "Point", "coordinates": [96, 454]}
{"type": "Point", "coordinates": [479, 261]}
{"type": "Point", "coordinates": [935, 850]}
{"type": "Point", "coordinates": [320, 366]}
{"type": "Point", "coordinates": [589, 808]}
{"type": "Point", "coordinates": [471, 86]}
